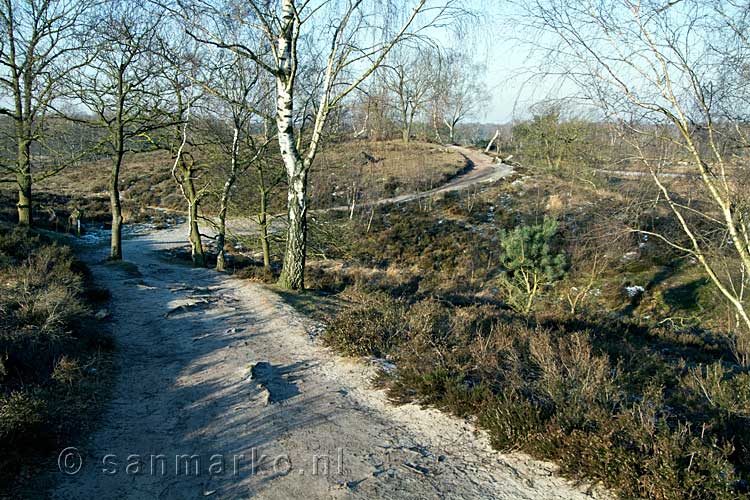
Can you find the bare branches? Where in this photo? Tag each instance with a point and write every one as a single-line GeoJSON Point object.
{"type": "Point", "coordinates": [41, 41]}
{"type": "Point", "coordinates": [662, 70]}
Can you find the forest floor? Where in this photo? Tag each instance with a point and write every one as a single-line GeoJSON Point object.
{"type": "Point", "coordinates": [222, 391]}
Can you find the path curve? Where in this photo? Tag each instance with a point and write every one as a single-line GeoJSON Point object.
{"type": "Point", "coordinates": [483, 170]}
{"type": "Point", "coordinates": [220, 374]}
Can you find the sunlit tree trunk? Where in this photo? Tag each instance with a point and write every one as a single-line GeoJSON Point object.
{"type": "Point", "coordinates": [22, 90]}
{"type": "Point", "coordinates": [115, 242]}
{"type": "Point", "coordinates": [263, 221]}
{"type": "Point", "coordinates": [292, 275]}
{"type": "Point", "coordinates": [23, 178]}
{"type": "Point", "coordinates": [184, 172]}
{"type": "Point", "coordinates": [192, 197]}
{"type": "Point", "coordinates": [224, 203]}
{"type": "Point", "coordinates": [298, 164]}
{"type": "Point", "coordinates": [406, 133]}
{"type": "Point", "coordinates": [221, 229]}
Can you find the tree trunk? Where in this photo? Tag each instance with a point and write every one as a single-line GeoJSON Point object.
{"type": "Point", "coordinates": [492, 142]}
{"type": "Point", "coordinates": [222, 230]}
{"type": "Point", "coordinates": [263, 223]}
{"type": "Point", "coordinates": [266, 247]}
{"type": "Point", "coordinates": [407, 123]}
{"type": "Point", "coordinates": [436, 126]}
{"type": "Point", "coordinates": [220, 242]}
{"type": "Point", "coordinates": [115, 252]}
{"type": "Point", "coordinates": [224, 205]}
{"type": "Point", "coordinates": [115, 246]}
{"type": "Point", "coordinates": [293, 274]}
{"type": "Point", "coordinates": [196, 245]}
{"type": "Point", "coordinates": [24, 198]}
{"type": "Point", "coordinates": [293, 271]}
{"type": "Point", "coordinates": [23, 177]}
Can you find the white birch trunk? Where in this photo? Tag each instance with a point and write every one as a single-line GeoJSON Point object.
{"type": "Point", "coordinates": [292, 274]}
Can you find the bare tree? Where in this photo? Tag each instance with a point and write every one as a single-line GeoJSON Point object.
{"type": "Point", "coordinates": [242, 94]}
{"type": "Point", "coordinates": [38, 47]}
{"type": "Point", "coordinates": [370, 111]}
{"type": "Point", "coordinates": [459, 90]}
{"type": "Point", "coordinates": [339, 45]}
{"type": "Point", "coordinates": [674, 74]}
{"type": "Point", "coordinates": [182, 148]}
{"type": "Point", "coordinates": [239, 116]}
{"type": "Point", "coordinates": [408, 77]}
{"type": "Point", "coordinates": [118, 90]}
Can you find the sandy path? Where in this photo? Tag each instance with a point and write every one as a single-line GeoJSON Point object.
{"type": "Point", "coordinates": [484, 170]}
{"type": "Point", "coordinates": [223, 372]}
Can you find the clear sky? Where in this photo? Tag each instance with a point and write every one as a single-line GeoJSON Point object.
{"type": "Point", "coordinates": [496, 43]}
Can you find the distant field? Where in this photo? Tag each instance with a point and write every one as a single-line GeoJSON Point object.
{"type": "Point", "coordinates": [145, 182]}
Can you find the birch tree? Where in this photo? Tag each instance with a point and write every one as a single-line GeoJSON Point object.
{"type": "Point", "coordinates": [459, 90]}
{"type": "Point", "coordinates": [242, 99]}
{"type": "Point", "coordinates": [39, 46]}
{"type": "Point", "coordinates": [185, 166]}
{"type": "Point", "coordinates": [370, 111]}
{"type": "Point", "coordinates": [348, 41]}
{"type": "Point", "coordinates": [239, 115]}
{"type": "Point", "coordinates": [674, 74]}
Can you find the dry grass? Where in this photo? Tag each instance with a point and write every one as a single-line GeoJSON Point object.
{"type": "Point", "coordinates": [145, 184]}
{"type": "Point", "coordinates": [610, 403]}
{"type": "Point", "coordinates": [149, 194]}
{"type": "Point", "coordinates": [635, 392]}
{"type": "Point", "coordinates": [55, 367]}
{"type": "Point", "coordinates": [373, 170]}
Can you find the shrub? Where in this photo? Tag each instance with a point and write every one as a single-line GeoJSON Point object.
{"type": "Point", "coordinates": [605, 404]}
{"type": "Point", "coordinates": [50, 349]}
{"type": "Point", "coordinates": [640, 407]}
{"type": "Point", "coordinates": [531, 262]}
{"type": "Point", "coordinates": [21, 414]}
{"type": "Point", "coordinates": [257, 273]}
{"type": "Point", "coordinates": [371, 327]}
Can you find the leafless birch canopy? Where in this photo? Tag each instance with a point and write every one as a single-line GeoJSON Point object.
{"type": "Point", "coordinates": [319, 53]}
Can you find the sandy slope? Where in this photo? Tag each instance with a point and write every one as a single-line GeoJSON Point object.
{"type": "Point", "coordinates": [224, 371]}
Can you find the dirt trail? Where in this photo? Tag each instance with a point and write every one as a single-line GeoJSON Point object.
{"type": "Point", "coordinates": [219, 373]}
{"type": "Point", "coordinates": [484, 170]}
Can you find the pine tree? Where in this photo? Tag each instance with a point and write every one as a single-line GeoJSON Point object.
{"type": "Point", "coordinates": [531, 261]}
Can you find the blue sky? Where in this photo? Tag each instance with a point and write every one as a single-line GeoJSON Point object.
{"type": "Point", "coordinates": [510, 64]}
